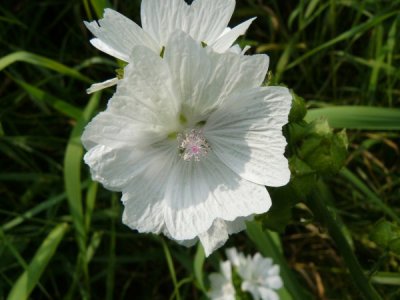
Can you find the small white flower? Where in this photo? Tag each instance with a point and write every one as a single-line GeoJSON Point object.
{"type": "Point", "coordinates": [260, 276]}
{"type": "Point", "coordinates": [204, 20]}
{"type": "Point", "coordinates": [191, 140]}
{"type": "Point", "coordinates": [221, 283]}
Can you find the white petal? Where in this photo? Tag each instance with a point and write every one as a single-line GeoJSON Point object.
{"type": "Point", "coordinates": [215, 237]}
{"type": "Point", "coordinates": [251, 288]}
{"type": "Point", "coordinates": [238, 224]}
{"type": "Point", "coordinates": [274, 282]}
{"type": "Point", "coordinates": [117, 35]}
{"type": "Point", "coordinates": [204, 20]}
{"type": "Point", "coordinates": [233, 256]}
{"type": "Point", "coordinates": [162, 17]}
{"type": "Point", "coordinates": [235, 49]}
{"type": "Point", "coordinates": [146, 93]}
{"type": "Point", "coordinates": [226, 269]}
{"type": "Point", "coordinates": [144, 198]}
{"type": "Point", "coordinates": [210, 18]}
{"type": "Point", "coordinates": [206, 79]}
{"type": "Point", "coordinates": [224, 42]}
{"type": "Point", "coordinates": [200, 192]}
{"type": "Point", "coordinates": [102, 85]}
{"type": "Point", "coordinates": [107, 47]}
{"type": "Point", "coordinates": [117, 132]}
{"type": "Point", "coordinates": [267, 294]}
{"type": "Point", "coordinates": [246, 134]}
{"type": "Point", "coordinates": [116, 145]}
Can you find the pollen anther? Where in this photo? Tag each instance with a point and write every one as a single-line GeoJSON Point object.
{"type": "Point", "coordinates": [193, 145]}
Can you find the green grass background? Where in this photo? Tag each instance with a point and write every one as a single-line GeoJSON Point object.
{"type": "Point", "coordinates": [61, 235]}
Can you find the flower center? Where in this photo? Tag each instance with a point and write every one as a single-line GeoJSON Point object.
{"type": "Point", "coordinates": [193, 145]}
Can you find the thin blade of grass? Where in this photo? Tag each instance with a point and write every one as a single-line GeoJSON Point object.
{"type": "Point", "coordinates": [387, 278]}
{"type": "Point", "coordinates": [171, 268]}
{"type": "Point", "coordinates": [99, 6]}
{"type": "Point", "coordinates": [27, 281]}
{"type": "Point", "coordinates": [358, 117]}
{"type": "Point", "coordinates": [73, 188]}
{"type": "Point", "coordinates": [41, 61]}
{"type": "Point", "coordinates": [111, 266]}
{"type": "Point", "coordinates": [60, 105]}
{"type": "Point", "coordinates": [344, 36]}
{"type": "Point", "coordinates": [371, 196]}
{"type": "Point", "coordinates": [34, 211]}
{"type": "Point", "coordinates": [72, 171]}
{"type": "Point", "coordinates": [323, 212]}
{"type": "Point", "coordinates": [388, 68]}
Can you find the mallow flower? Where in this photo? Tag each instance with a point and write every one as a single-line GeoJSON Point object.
{"type": "Point", "coordinates": [260, 277]}
{"type": "Point", "coordinates": [221, 283]}
{"type": "Point", "coordinates": [191, 139]}
{"type": "Point", "coordinates": [205, 21]}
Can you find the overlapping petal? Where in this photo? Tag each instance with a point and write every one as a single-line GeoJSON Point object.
{"type": "Point", "coordinates": [225, 41]}
{"type": "Point", "coordinates": [116, 35]}
{"type": "Point", "coordinates": [146, 93]}
{"type": "Point", "coordinates": [247, 134]}
{"type": "Point", "coordinates": [200, 192]}
{"type": "Point", "coordinates": [204, 20]}
{"type": "Point", "coordinates": [206, 79]}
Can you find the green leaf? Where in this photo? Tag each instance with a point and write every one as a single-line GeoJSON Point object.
{"type": "Point", "coordinates": [386, 235]}
{"type": "Point", "coordinates": [298, 110]}
{"type": "Point", "coordinates": [358, 117]}
{"type": "Point", "coordinates": [303, 178]}
{"type": "Point", "coordinates": [27, 281]}
{"type": "Point", "coordinates": [323, 150]}
{"type": "Point", "coordinates": [381, 233]}
{"type": "Point", "coordinates": [394, 245]}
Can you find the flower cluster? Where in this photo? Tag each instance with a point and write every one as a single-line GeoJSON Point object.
{"type": "Point", "coordinates": [257, 276]}
{"type": "Point", "coordinates": [190, 137]}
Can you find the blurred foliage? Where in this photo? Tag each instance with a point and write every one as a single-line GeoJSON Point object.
{"type": "Point", "coordinates": [333, 53]}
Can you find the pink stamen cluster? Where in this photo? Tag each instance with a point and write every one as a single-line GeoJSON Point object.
{"type": "Point", "coordinates": [193, 145]}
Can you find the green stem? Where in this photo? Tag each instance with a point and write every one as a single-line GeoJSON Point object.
{"type": "Point", "coordinates": [171, 268]}
{"type": "Point", "coordinates": [324, 213]}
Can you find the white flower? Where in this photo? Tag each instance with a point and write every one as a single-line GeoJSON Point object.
{"type": "Point", "coordinates": [205, 21]}
{"type": "Point", "coordinates": [259, 276]}
{"type": "Point", "coordinates": [221, 283]}
{"type": "Point", "coordinates": [191, 140]}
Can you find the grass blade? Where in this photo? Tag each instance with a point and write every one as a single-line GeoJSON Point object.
{"type": "Point", "coordinates": [58, 104]}
{"type": "Point", "coordinates": [358, 117]}
{"type": "Point", "coordinates": [99, 6]}
{"type": "Point", "coordinates": [320, 208]}
{"type": "Point", "coordinates": [371, 196]}
{"type": "Point", "coordinates": [30, 277]}
{"type": "Point", "coordinates": [344, 36]}
{"type": "Point", "coordinates": [73, 186]}
{"type": "Point", "coordinates": [171, 268]}
{"type": "Point", "coordinates": [42, 62]}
